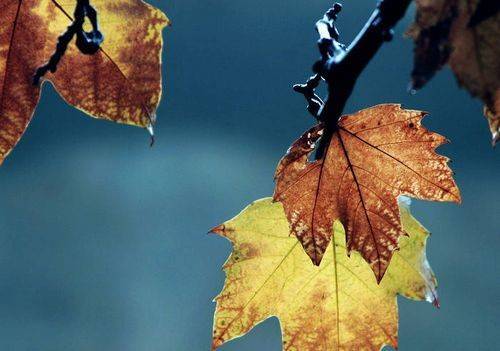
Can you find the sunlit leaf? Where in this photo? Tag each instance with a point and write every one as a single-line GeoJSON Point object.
{"type": "Point", "coordinates": [374, 156]}
{"type": "Point", "coordinates": [121, 82]}
{"type": "Point", "coordinates": [337, 305]}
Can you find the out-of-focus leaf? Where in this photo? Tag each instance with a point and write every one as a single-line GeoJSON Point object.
{"type": "Point", "coordinates": [337, 305]}
{"type": "Point", "coordinates": [121, 82]}
{"type": "Point", "coordinates": [464, 34]}
{"type": "Point", "coordinates": [374, 156]}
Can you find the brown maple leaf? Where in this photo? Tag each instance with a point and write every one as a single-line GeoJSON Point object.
{"type": "Point", "coordinates": [121, 82]}
{"type": "Point", "coordinates": [464, 34]}
{"type": "Point", "coordinates": [374, 156]}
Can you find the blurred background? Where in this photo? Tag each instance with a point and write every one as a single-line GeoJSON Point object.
{"type": "Point", "coordinates": [103, 241]}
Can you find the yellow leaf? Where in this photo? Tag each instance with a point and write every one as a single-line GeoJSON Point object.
{"type": "Point", "coordinates": [335, 306]}
{"type": "Point", "coordinates": [121, 82]}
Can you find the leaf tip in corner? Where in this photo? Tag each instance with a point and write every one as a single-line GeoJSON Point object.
{"type": "Point", "coordinates": [436, 302]}
{"type": "Point", "coordinates": [379, 274]}
{"type": "Point", "coordinates": [495, 138]}
{"type": "Point", "coordinates": [151, 132]}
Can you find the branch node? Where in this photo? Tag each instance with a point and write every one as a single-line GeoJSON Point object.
{"type": "Point", "coordinates": [340, 66]}
{"type": "Point", "coordinates": [388, 35]}
{"type": "Point", "coordinates": [308, 90]}
{"type": "Point", "coordinates": [328, 44]}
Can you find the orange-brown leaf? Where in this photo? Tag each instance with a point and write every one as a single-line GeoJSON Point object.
{"type": "Point", "coordinates": [376, 155]}
{"type": "Point", "coordinates": [122, 82]}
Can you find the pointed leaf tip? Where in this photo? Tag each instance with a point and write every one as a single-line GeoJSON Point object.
{"type": "Point", "coordinates": [436, 302]}
{"type": "Point", "coordinates": [218, 230]}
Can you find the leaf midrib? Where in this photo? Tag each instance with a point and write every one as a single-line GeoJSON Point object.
{"type": "Point", "coordinates": [223, 331]}
{"type": "Point", "coordinates": [401, 162]}
{"type": "Point", "coordinates": [143, 105]}
{"type": "Point", "coordinates": [7, 60]}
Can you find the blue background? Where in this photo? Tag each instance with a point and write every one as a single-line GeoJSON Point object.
{"type": "Point", "coordinates": [103, 241]}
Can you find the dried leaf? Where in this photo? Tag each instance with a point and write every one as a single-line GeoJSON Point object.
{"type": "Point", "coordinates": [121, 82]}
{"type": "Point", "coordinates": [493, 118]}
{"type": "Point", "coordinates": [336, 306]}
{"type": "Point", "coordinates": [375, 155]}
{"type": "Point", "coordinates": [464, 34]}
{"type": "Point", "coordinates": [431, 31]}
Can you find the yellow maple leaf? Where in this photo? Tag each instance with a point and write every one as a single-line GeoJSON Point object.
{"type": "Point", "coordinates": [121, 82]}
{"type": "Point", "coordinates": [335, 306]}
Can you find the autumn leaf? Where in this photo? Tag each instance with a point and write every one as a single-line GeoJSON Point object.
{"type": "Point", "coordinates": [464, 34]}
{"type": "Point", "coordinates": [121, 82]}
{"type": "Point", "coordinates": [336, 306]}
{"type": "Point", "coordinates": [375, 155]}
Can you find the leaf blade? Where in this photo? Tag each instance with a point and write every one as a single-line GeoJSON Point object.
{"type": "Point", "coordinates": [462, 34]}
{"type": "Point", "coordinates": [114, 84]}
{"type": "Point", "coordinates": [336, 306]}
{"type": "Point", "coordinates": [366, 166]}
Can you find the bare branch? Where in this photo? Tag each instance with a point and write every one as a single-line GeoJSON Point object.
{"type": "Point", "coordinates": [340, 67]}
{"type": "Point", "coordinates": [314, 102]}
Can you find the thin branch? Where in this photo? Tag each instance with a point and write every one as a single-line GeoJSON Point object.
{"type": "Point", "coordinates": [87, 42]}
{"type": "Point", "coordinates": [340, 67]}
{"type": "Point", "coordinates": [314, 102]}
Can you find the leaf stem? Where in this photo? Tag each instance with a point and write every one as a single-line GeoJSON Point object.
{"type": "Point", "coordinates": [341, 66]}
{"type": "Point", "coordinates": [87, 42]}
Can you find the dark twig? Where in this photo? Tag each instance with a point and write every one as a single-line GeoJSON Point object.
{"type": "Point", "coordinates": [340, 67]}
{"type": "Point", "coordinates": [87, 42]}
{"type": "Point", "coordinates": [314, 102]}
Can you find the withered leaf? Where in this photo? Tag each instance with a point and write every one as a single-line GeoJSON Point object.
{"type": "Point", "coordinates": [336, 306]}
{"type": "Point", "coordinates": [121, 82]}
{"type": "Point", "coordinates": [463, 34]}
{"type": "Point", "coordinates": [376, 155]}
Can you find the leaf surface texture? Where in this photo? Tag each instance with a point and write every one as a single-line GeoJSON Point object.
{"type": "Point", "coordinates": [337, 305]}
{"type": "Point", "coordinates": [376, 155]}
{"type": "Point", "coordinates": [121, 82]}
